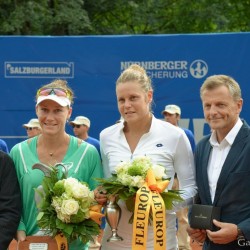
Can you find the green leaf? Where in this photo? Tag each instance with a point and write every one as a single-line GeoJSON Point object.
{"type": "Point", "coordinates": [40, 215]}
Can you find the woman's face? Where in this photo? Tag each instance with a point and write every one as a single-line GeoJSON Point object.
{"type": "Point", "coordinates": [133, 102]}
{"type": "Point", "coordinates": [52, 116]}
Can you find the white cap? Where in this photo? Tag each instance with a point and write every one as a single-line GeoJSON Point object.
{"type": "Point", "coordinates": [81, 120]}
{"type": "Point", "coordinates": [33, 123]}
{"type": "Point", "coordinates": [172, 109]}
{"type": "Point", "coordinates": [61, 100]}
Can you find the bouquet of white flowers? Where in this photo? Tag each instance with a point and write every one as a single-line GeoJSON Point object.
{"type": "Point", "coordinates": [67, 206]}
{"type": "Point", "coordinates": [143, 187]}
{"type": "Point", "coordinates": [129, 177]}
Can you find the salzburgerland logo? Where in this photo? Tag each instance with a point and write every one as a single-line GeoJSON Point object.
{"type": "Point", "coordinates": [39, 69]}
{"type": "Point", "coordinates": [171, 69]}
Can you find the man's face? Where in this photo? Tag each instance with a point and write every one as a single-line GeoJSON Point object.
{"type": "Point", "coordinates": [80, 130]}
{"type": "Point", "coordinates": [221, 111]}
{"type": "Point", "coordinates": [171, 118]}
{"type": "Point", "coordinates": [31, 132]}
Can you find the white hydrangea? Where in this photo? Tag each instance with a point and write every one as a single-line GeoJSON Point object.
{"type": "Point", "coordinates": [134, 173]}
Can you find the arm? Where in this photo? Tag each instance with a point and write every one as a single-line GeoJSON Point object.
{"type": "Point", "coordinates": [105, 165]}
{"type": "Point", "coordinates": [184, 167]}
{"type": "Point", "coordinates": [100, 195]}
{"type": "Point", "coordinates": [10, 201]}
{"type": "Point", "coordinates": [95, 161]}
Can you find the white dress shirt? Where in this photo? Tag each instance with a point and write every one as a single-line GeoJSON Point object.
{"type": "Point", "coordinates": [166, 145]}
{"type": "Point", "coordinates": [218, 156]}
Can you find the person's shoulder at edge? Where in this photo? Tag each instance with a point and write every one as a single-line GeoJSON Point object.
{"type": "Point", "coordinates": [15, 147]}
{"type": "Point", "coordinates": [90, 138]}
{"type": "Point", "coordinates": [82, 143]}
{"type": "Point", "coordinates": [188, 131]}
{"type": "Point", "coordinates": [111, 129]}
{"type": "Point", "coordinates": [3, 142]}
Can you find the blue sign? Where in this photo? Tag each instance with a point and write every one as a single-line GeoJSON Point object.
{"type": "Point", "coordinates": [177, 64]}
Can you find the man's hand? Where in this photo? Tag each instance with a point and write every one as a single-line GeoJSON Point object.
{"type": "Point", "coordinates": [227, 233]}
{"type": "Point", "coordinates": [198, 235]}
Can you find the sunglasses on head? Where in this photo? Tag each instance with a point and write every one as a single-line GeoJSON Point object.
{"type": "Point", "coordinates": [76, 126]}
{"type": "Point", "coordinates": [53, 91]}
{"type": "Point", "coordinates": [30, 128]}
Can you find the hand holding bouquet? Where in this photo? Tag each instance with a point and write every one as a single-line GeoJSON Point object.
{"type": "Point", "coordinates": [67, 206]}
{"type": "Point", "coordinates": [128, 177]}
{"type": "Point", "coordinates": [142, 185]}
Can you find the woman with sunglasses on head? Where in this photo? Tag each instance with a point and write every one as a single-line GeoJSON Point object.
{"type": "Point", "coordinates": [53, 108]}
{"type": "Point", "coordinates": [141, 134]}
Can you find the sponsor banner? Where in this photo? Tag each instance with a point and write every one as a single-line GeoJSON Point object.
{"type": "Point", "coordinates": [177, 65]}
{"type": "Point", "coordinates": [172, 69]}
{"type": "Point", "coordinates": [39, 70]}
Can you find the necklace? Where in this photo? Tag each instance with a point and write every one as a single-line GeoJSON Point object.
{"type": "Point", "coordinates": [52, 154]}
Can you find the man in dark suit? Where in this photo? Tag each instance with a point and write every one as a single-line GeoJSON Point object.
{"type": "Point", "coordinates": [223, 166]}
{"type": "Point", "coordinates": [10, 201]}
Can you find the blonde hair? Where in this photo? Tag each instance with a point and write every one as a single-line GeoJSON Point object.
{"type": "Point", "coordinates": [136, 73]}
{"type": "Point", "coordinates": [216, 81]}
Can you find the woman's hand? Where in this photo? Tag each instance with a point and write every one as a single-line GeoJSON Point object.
{"type": "Point", "coordinates": [21, 235]}
{"type": "Point", "coordinates": [100, 195]}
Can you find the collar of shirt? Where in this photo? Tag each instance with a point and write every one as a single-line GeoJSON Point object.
{"type": "Point", "coordinates": [121, 125]}
{"type": "Point", "coordinates": [230, 137]}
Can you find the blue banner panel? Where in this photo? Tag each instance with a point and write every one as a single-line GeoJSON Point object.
{"type": "Point", "coordinates": [177, 64]}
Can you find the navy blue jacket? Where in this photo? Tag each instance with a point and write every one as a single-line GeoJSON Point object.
{"type": "Point", "coordinates": [233, 187]}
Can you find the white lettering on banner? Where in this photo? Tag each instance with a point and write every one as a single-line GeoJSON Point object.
{"type": "Point", "coordinates": [158, 65]}
{"type": "Point", "coordinates": [39, 70]}
{"type": "Point", "coordinates": [172, 69]}
{"type": "Point", "coordinates": [198, 125]}
{"type": "Point", "coordinates": [168, 74]}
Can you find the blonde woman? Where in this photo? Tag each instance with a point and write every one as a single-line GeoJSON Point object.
{"type": "Point", "coordinates": [142, 134]}
{"type": "Point", "coordinates": [53, 108]}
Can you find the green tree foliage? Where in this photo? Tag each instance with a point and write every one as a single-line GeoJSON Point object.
{"type": "Point", "coordinates": [43, 17]}
{"type": "Point", "coordinates": [109, 17]}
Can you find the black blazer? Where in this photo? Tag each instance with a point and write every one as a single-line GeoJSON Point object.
{"type": "Point", "coordinates": [233, 187]}
{"type": "Point", "coordinates": [10, 201]}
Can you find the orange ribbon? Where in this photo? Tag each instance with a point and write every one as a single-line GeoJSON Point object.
{"type": "Point", "coordinates": [61, 242]}
{"type": "Point", "coordinates": [95, 213]}
{"type": "Point", "coordinates": [148, 197]}
{"type": "Point", "coordinates": [154, 185]}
